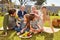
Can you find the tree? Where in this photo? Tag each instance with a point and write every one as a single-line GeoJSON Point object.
{"type": "Point", "coordinates": [23, 1]}
{"type": "Point", "coordinates": [53, 5]}
{"type": "Point", "coordinates": [39, 2]}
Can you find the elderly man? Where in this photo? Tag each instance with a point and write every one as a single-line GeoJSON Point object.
{"type": "Point", "coordinates": [21, 12]}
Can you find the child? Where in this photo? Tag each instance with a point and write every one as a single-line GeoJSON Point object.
{"type": "Point", "coordinates": [34, 27]}
{"type": "Point", "coordinates": [22, 25]}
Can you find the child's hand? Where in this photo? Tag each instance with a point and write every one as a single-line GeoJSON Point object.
{"type": "Point", "coordinates": [19, 19]}
{"type": "Point", "coordinates": [18, 25]}
{"type": "Point", "coordinates": [22, 31]}
{"type": "Point", "coordinates": [42, 29]}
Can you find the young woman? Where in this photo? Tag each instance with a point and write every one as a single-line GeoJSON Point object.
{"type": "Point", "coordinates": [45, 17]}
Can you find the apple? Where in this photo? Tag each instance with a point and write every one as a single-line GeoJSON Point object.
{"type": "Point", "coordinates": [28, 34]}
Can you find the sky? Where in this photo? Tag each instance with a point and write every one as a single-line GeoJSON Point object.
{"type": "Point", "coordinates": [49, 2]}
{"type": "Point", "coordinates": [56, 2]}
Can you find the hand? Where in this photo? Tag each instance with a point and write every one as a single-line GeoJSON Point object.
{"type": "Point", "coordinates": [42, 29]}
{"type": "Point", "coordinates": [22, 31]}
{"type": "Point", "coordinates": [18, 25]}
{"type": "Point", "coordinates": [19, 19]}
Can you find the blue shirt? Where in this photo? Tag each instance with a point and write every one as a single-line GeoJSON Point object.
{"type": "Point", "coordinates": [21, 14]}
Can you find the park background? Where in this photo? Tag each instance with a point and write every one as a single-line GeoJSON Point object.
{"type": "Point", "coordinates": [53, 7]}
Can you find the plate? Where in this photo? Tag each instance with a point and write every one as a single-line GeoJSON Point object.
{"type": "Point", "coordinates": [25, 37]}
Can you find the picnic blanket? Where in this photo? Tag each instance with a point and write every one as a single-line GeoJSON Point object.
{"type": "Point", "coordinates": [49, 30]}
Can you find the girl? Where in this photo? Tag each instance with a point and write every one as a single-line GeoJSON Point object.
{"type": "Point", "coordinates": [34, 26]}
{"type": "Point", "coordinates": [23, 25]}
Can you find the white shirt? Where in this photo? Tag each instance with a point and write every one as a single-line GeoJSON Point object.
{"type": "Point", "coordinates": [22, 13]}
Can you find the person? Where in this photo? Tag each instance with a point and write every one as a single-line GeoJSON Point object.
{"type": "Point", "coordinates": [45, 17]}
{"type": "Point", "coordinates": [22, 12]}
{"type": "Point", "coordinates": [31, 24]}
{"type": "Point", "coordinates": [24, 25]}
{"type": "Point", "coordinates": [37, 16]}
{"type": "Point", "coordinates": [20, 25]}
{"type": "Point", "coordinates": [35, 12]}
{"type": "Point", "coordinates": [9, 20]}
{"type": "Point", "coordinates": [34, 26]}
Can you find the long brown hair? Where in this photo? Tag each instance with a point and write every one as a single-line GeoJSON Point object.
{"type": "Point", "coordinates": [28, 20]}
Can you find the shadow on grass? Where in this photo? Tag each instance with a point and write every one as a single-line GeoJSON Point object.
{"type": "Point", "coordinates": [32, 38]}
{"type": "Point", "coordinates": [12, 36]}
{"type": "Point", "coordinates": [47, 36]}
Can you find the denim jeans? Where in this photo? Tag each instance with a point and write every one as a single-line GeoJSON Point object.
{"type": "Point", "coordinates": [16, 28]}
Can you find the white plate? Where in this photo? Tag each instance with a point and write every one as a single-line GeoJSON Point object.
{"type": "Point", "coordinates": [26, 37]}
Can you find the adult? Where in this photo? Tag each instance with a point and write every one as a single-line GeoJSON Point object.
{"type": "Point", "coordinates": [22, 12]}
{"type": "Point", "coordinates": [34, 11]}
{"type": "Point", "coordinates": [45, 17]}
{"type": "Point", "coordinates": [37, 16]}
{"type": "Point", "coordinates": [9, 20]}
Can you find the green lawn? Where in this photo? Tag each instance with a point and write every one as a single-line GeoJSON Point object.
{"type": "Point", "coordinates": [41, 36]}
{"type": "Point", "coordinates": [1, 21]}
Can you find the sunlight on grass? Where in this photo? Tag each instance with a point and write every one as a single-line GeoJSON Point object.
{"type": "Point", "coordinates": [1, 21]}
{"type": "Point", "coordinates": [51, 17]}
{"type": "Point", "coordinates": [41, 36]}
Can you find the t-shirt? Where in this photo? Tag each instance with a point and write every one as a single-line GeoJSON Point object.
{"type": "Point", "coordinates": [12, 22]}
{"type": "Point", "coordinates": [34, 24]}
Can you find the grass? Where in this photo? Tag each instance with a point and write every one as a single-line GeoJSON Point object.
{"type": "Point", "coordinates": [41, 36]}
{"type": "Point", "coordinates": [1, 21]}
